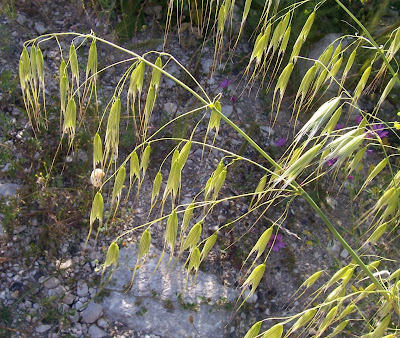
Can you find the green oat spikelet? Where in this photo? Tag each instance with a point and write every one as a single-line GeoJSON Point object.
{"type": "Point", "coordinates": [303, 320]}
{"type": "Point", "coordinates": [156, 187]}
{"type": "Point", "coordinates": [97, 151]}
{"type": "Point", "coordinates": [254, 278]}
{"type": "Point", "coordinates": [96, 213]}
{"type": "Point", "coordinates": [208, 245]}
{"type": "Point", "coordinates": [378, 233]}
{"type": "Point", "coordinates": [339, 328]}
{"type": "Point", "coordinates": [118, 184]}
{"type": "Point", "coordinates": [327, 321]}
{"type": "Point", "coordinates": [192, 238]}
{"type": "Point", "coordinates": [274, 332]}
{"type": "Point", "coordinates": [254, 330]}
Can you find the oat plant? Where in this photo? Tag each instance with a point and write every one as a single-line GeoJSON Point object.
{"type": "Point", "coordinates": [340, 303]}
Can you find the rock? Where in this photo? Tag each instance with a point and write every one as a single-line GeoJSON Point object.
{"type": "Point", "coordinates": [227, 110]}
{"type": "Point", "coordinates": [6, 167]}
{"type": "Point", "coordinates": [40, 28]}
{"type": "Point", "coordinates": [66, 264]}
{"type": "Point", "coordinates": [102, 323]}
{"type": "Point", "coordinates": [162, 295]}
{"type": "Point", "coordinates": [91, 313]}
{"type": "Point", "coordinates": [96, 332]}
{"type": "Point", "coordinates": [170, 108]}
{"type": "Point", "coordinates": [21, 19]}
{"type": "Point", "coordinates": [82, 290]}
{"type": "Point", "coordinates": [68, 299]}
{"type": "Point", "coordinates": [74, 318]}
{"type": "Point", "coordinates": [9, 189]}
{"type": "Point", "coordinates": [51, 283]}
{"type": "Point", "coordinates": [43, 328]}
{"type": "Point", "coordinates": [344, 254]}
{"type": "Point", "coordinates": [57, 291]}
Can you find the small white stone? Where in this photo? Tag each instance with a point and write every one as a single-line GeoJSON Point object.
{"type": "Point", "coordinates": [40, 28]}
{"type": "Point", "coordinates": [66, 264]}
{"type": "Point", "coordinates": [344, 254]}
{"type": "Point", "coordinates": [51, 283]}
{"type": "Point", "coordinates": [82, 290]}
{"type": "Point", "coordinates": [96, 332]}
{"type": "Point", "coordinates": [43, 328]}
{"type": "Point", "coordinates": [92, 313]}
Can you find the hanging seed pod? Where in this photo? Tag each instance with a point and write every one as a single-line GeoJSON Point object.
{"type": "Point", "coordinates": [144, 244]}
{"type": "Point", "coordinates": [219, 182]}
{"type": "Point", "coordinates": [194, 261]}
{"type": "Point", "coordinates": [150, 100]}
{"type": "Point", "coordinates": [175, 156]}
{"type": "Point", "coordinates": [356, 160]}
{"type": "Point", "coordinates": [254, 278]}
{"type": "Point", "coordinates": [335, 68]}
{"type": "Point", "coordinates": [145, 159]}
{"type": "Point", "coordinates": [339, 329]}
{"type": "Point", "coordinates": [112, 255]}
{"type": "Point", "coordinates": [184, 154]}
{"type": "Point", "coordinates": [336, 53]}
{"type": "Point", "coordinates": [378, 168]}
{"type": "Point", "coordinates": [119, 183]}
{"type": "Point", "coordinates": [32, 59]}
{"type": "Point", "coordinates": [246, 10]}
{"type": "Point", "coordinates": [21, 76]}
{"type": "Point", "coordinates": [285, 41]}
{"type": "Point", "coordinates": [259, 189]}
{"type": "Point", "coordinates": [187, 216]}
{"type": "Point", "coordinates": [97, 151]}
{"type": "Point", "coordinates": [215, 118]}
{"type": "Point", "coordinates": [73, 60]}
{"type": "Point", "coordinates": [302, 37]}
{"type": "Point", "coordinates": [64, 84]}
{"type": "Point", "coordinates": [171, 231]}
{"type": "Point", "coordinates": [338, 292]}
{"type": "Point", "coordinates": [378, 233]}
{"type": "Point", "coordinates": [386, 198]}
{"type": "Point", "coordinates": [306, 81]}
{"type": "Point", "coordinates": [325, 57]}
{"type": "Point", "coordinates": [279, 32]}
{"type": "Point", "coordinates": [70, 118]}
{"type": "Point", "coordinates": [26, 64]}
{"type": "Point", "coordinates": [174, 180]}
{"type": "Point", "coordinates": [274, 332]}
{"type": "Point", "coordinates": [134, 169]}
{"type": "Point", "coordinates": [349, 309]}
{"type": "Point", "coordinates": [262, 242]}
{"type": "Point", "coordinates": [156, 76]}
{"type": "Point", "coordinates": [330, 126]}
{"type": "Point", "coordinates": [387, 90]}
{"type": "Point", "coordinates": [304, 319]}
{"type": "Point", "coordinates": [313, 278]}
{"type": "Point", "coordinates": [112, 131]}
{"type": "Point", "coordinates": [221, 19]}
{"type": "Point", "coordinates": [208, 245]}
{"type": "Point", "coordinates": [327, 321]}
{"type": "Point", "coordinates": [394, 46]}
{"type": "Point", "coordinates": [283, 80]}
{"type": "Point", "coordinates": [40, 65]}
{"type": "Point", "coordinates": [362, 83]}
{"type": "Point", "coordinates": [338, 275]}
{"type": "Point", "coordinates": [260, 45]}
{"type": "Point", "coordinates": [254, 330]}
{"type": "Point", "coordinates": [192, 237]}
{"type": "Point", "coordinates": [368, 290]}
{"type": "Point", "coordinates": [97, 209]}
{"type": "Point", "coordinates": [299, 165]}
{"type": "Point", "coordinates": [92, 59]}
{"type": "Point", "coordinates": [349, 63]}
{"type": "Point", "coordinates": [381, 327]}
{"type": "Point", "coordinates": [156, 187]}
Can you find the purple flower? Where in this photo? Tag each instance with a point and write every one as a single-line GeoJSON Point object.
{"type": "Point", "coordinates": [358, 119]}
{"type": "Point", "coordinates": [280, 142]}
{"type": "Point", "coordinates": [378, 129]}
{"type": "Point", "coordinates": [331, 162]}
{"type": "Point", "coordinates": [350, 178]}
{"type": "Point", "coordinates": [276, 242]}
{"type": "Point", "coordinates": [370, 151]}
{"type": "Point", "coordinates": [339, 126]}
{"type": "Point", "coordinates": [225, 83]}
{"type": "Point", "coordinates": [233, 99]}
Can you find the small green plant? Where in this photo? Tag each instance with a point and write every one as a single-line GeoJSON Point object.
{"type": "Point", "coordinates": [320, 149]}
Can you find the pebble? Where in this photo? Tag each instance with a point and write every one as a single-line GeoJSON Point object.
{"type": "Point", "coordinates": [96, 332]}
{"type": "Point", "coordinates": [57, 291]}
{"type": "Point", "coordinates": [92, 313]}
{"type": "Point", "coordinates": [40, 28]}
{"type": "Point", "coordinates": [102, 323]}
{"type": "Point", "coordinates": [82, 290]}
{"type": "Point", "coordinates": [51, 283]}
{"type": "Point", "coordinates": [43, 328]}
{"type": "Point", "coordinates": [69, 298]}
{"type": "Point", "coordinates": [66, 264]}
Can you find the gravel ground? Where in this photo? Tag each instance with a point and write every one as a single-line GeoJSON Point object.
{"type": "Point", "coordinates": [54, 292]}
